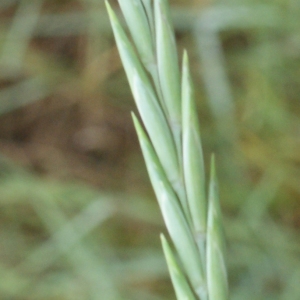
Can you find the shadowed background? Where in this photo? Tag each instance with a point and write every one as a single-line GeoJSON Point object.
{"type": "Point", "coordinates": [78, 218]}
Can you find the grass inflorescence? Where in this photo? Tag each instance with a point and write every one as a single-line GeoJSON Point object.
{"type": "Point", "coordinates": [171, 145]}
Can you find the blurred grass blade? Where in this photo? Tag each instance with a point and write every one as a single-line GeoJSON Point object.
{"type": "Point", "coordinates": [175, 221]}
{"type": "Point", "coordinates": [193, 165]}
{"type": "Point", "coordinates": [168, 68]}
{"type": "Point", "coordinates": [13, 51]}
{"type": "Point", "coordinates": [181, 286]}
{"type": "Point", "coordinates": [216, 267]}
{"type": "Point", "coordinates": [135, 13]}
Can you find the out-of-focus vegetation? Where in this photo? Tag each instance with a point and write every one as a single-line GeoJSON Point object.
{"type": "Point", "coordinates": [78, 219]}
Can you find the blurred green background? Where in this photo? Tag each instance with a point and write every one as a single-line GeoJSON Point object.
{"type": "Point", "coordinates": [78, 218]}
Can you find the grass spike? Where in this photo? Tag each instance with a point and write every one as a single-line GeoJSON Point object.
{"type": "Point", "coordinates": [172, 151]}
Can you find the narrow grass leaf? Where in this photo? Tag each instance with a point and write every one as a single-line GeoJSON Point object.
{"type": "Point", "coordinates": [193, 165]}
{"type": "Point", "coordinates": [216, 267]}
{"type": "Point", "coordinates": [180, 284]}
{"type": "Point", "coordinates": [137, 21]}
{"type": "Point", "coordinates": [173, 216]}
{"type": "Point", "coordinates": [168, 68]}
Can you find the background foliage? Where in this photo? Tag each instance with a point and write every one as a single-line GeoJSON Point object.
{"type": "Point", "coordinates": [78, 219]}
